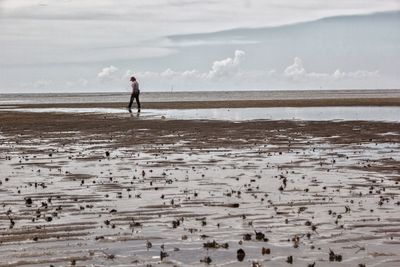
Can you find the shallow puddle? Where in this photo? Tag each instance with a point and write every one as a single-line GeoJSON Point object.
{"type": "Point", "coordinates": [387, 114]}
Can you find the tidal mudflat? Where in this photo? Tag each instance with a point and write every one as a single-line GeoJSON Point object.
{"type": "Point", "coordinates": [105, 189]}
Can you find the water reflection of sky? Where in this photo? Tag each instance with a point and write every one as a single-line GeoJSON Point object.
{"type": "Point", "coordinates": [390, 114]}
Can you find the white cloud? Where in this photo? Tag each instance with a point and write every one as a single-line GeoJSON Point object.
{"type": "Point", "coordinates": [339, 74]}
{"type": "Point", "coordinates": [107, 73]}
{"type": "Point", "coordinates": [360, 74]}
{"type": "Point", "coordinates": [220, 69]}
{"type": "Point", "coordinates": [229, 73]}
{"type": "Point", "coordinates": [297, 72]}
{"type": "Point", "coordinates": [228, 67]}
{"type": "Point", "coordinates": [196, 75]}
{"type": "Point", "coordinates": [223, 69]}
{"type": "Point", "coordinates": [169, 73]}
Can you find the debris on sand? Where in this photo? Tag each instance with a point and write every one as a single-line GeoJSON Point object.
{"type": "Point", "coordinates": [240, 254]}
{"type": "Point", "coordinates": [261, 237]}
{"type": "Point", "coordinates": [176, 223]}
{"type": "Point", "coordinates": [334, 257]}
{"type": "Point", "coordinates": [163, 255]}
{"type": "Point", "coordinates": [296, 241]}
{"type": "Point", "coordinates": [206, 260]}
{"type": "Point", "coordinates": [265, 251]}
{"type": "Point", "coordinates": [28, 201]}
{"type": "Point", "coordinates": [247, 237]}
{"type": "Point", "coordinates": [215, 244]}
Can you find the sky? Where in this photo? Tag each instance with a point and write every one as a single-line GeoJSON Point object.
{"type": "Point", "coordinates": [88, 46]}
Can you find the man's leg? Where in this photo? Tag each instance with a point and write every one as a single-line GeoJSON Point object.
{"type": "Point", "coordinates": [130, 103]}
{"type": "Point", "coordinates": [138, 102]}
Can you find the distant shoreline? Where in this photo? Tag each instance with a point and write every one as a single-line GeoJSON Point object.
{"type": "Point", "coordinates": [231, 103]}
{"type": "Point", "coordinates": [317, 91]}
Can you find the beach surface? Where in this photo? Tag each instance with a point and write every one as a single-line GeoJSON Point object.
{"type": "Point", "coordinates": [116, 189]}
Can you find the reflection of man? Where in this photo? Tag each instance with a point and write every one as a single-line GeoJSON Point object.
{"type": "Point", "coordinates": [135, 94]}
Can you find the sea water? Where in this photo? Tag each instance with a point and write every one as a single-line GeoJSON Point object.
{"type": "Point", "coordinates": [65, 98]}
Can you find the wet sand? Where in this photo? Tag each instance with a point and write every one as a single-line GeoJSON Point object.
{"type": "Point", "coordinates": [87, 189]}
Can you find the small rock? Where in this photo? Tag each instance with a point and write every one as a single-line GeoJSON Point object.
{"type": "Point", "coordinates": [28, 201]}
{"type": "Point", "coordinates": [206, 260]}
{"type": "Point", "coordinates": [240, 254]}
{"type": "Point", "coordinates": [265, 251]}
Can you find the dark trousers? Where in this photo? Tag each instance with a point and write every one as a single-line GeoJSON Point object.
{"type": "Point", "coordinates": [133, 96]}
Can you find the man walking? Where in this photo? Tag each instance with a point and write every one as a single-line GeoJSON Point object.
{"type": "Point", "coordinates": [135, 94]}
